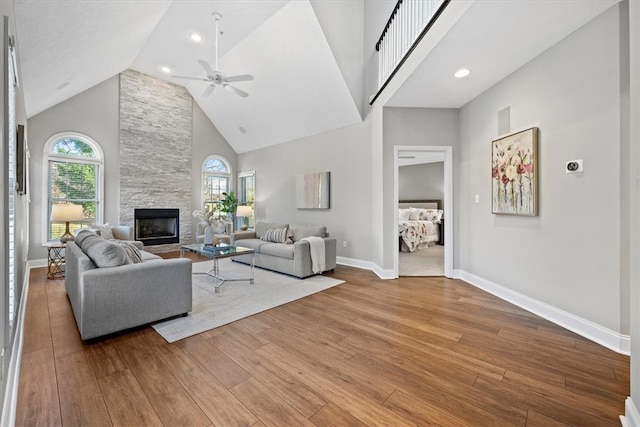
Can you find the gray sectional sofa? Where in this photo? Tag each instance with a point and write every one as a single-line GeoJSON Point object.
{"type": "Point", "coordinates": [109, 293]}
{"type": "Point", "coordinates": [293, 258]}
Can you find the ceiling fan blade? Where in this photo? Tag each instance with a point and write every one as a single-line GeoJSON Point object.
{"type": "Point", "coordinates": [236, 90]}
{"type": "Point", "coordinates": [240, 78]}
{"type": "Point", "coordinates": [190, 78]}
{"type": "Point", "coordinates": [204, 64]}
{"type": "Point", "coordinates": [208, 91]}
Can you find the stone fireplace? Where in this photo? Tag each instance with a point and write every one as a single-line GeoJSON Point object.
{"type": "Point", "coordinates": [155, 159]}
{"type": "Point", "coordinates": [157, 226]}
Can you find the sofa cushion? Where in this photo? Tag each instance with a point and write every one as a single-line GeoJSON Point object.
{"type": "Point", "coordinates": [261, 227]}
{"type": "Point", "coordinates": [148, 256]}
{"type": "Point", "coordinates": [275, 235]}
{"type": "Point", "coordinates": [278, 250]}
{"type": "Point", "coordinates": [254, 244]}
{"type": "Point", "coordinates": [104, 253]}
{"type": "Point", "coordinates": [81, 235]}
{"type": "Point", "coordinates": [302, 231]}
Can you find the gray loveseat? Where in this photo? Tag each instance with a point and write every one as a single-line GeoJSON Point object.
{"type": "Point", "coordinates": [294, 258]}
{"type": "Point", "coordinates": [108, 293]}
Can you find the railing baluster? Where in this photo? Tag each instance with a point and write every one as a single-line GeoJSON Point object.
{"type": "Point", "coordinates": [408, 22]}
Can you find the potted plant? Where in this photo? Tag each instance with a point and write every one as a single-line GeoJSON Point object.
{"type": "Point", "coordinates": [229, 206]}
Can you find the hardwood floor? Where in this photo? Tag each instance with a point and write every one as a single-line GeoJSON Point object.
{"type": "Point", "coordinates": [413, 351]}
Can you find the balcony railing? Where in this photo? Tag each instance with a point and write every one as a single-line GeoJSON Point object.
{"type": "Point", "coordinates": [409, 22]}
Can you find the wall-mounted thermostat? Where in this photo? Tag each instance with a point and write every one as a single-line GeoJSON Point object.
{"type": "Point", "coordinates": [574, 166]}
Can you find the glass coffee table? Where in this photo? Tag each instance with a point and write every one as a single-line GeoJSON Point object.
{"type": "Point", "coordinates": [222, 250]}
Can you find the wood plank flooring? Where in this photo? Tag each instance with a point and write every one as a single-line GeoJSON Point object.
{"type": "Point", "coordinates": [407, 352]}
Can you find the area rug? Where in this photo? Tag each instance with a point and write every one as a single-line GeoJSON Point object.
{"type": "Point", "coordinates": [237, 300]}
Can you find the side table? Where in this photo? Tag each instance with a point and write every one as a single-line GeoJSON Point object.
{"type": "Point", "coordinates": [55, 258]}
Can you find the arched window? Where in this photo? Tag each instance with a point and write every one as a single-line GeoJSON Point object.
{"type": "Point", "coordinates": [216, 173]}
{"type": "Point", "coordinates": [73, 177]}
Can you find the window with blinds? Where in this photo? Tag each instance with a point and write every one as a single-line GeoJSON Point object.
{"type": "Point", "coordinates": [73, 178]}
{"type": "Point", "coordinates": [216, 173]}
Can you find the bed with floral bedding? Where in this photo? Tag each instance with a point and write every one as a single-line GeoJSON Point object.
{"type": "Point", "coordinates": [418, 224]}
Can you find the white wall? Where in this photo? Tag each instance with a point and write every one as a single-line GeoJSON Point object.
{"type": "Point", "coordinates": [421, 182]}
{"type": "Point", "coordinates": [569, 255]}
{"type": "Point", "coordinates": [343, 152]}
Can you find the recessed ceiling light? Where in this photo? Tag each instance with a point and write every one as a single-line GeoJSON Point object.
{"type": "Point", "coordinates": [195, 37]}
{"type": "Point", "coordinates": [165, 69]}
{"type": "Point", "coordinates": [462, 72]}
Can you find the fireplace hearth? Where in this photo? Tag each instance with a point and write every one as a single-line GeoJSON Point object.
{"type": "Point", "coordinates": [157, 226]}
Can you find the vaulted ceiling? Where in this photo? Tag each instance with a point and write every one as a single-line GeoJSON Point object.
{"type": "Point", "coordinates": [308, 76]}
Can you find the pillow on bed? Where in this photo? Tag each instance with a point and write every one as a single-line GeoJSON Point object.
{"type": "Point", "coordinates": [403, 214]}
{"type": "Point", "coordinates": [414, 214]}
{"type": "Point", "coordinates": [433, 215]}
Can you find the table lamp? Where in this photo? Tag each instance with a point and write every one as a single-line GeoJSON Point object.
{"type": "Point", "coordinates": [66, 213]}
{"type": "Point", "coordinates": [245, 212]}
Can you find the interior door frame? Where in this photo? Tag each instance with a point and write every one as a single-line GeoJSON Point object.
{"type": "Point", "coordinates": [447, 151]}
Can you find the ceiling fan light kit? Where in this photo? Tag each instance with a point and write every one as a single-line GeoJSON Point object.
{"type": "Point", "coordinates": [215, 77]}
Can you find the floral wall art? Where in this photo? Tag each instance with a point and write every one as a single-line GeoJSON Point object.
{"type": "Point", "coordinates": [514, 174]}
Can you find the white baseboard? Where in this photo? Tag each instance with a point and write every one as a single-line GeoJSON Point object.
{"type": "Point", "coordinates": [8, 417]}
{"type": "Point", "coordinates": [631, 416]}
{"type": "Point", "coordinates": [367, 265]}
{"type": "Point", "coordinates": [612, 340]}
{"type": "Point", "coordinates": [36, 263]}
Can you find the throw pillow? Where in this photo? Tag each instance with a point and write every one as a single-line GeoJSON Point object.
{"type": "Point", "coordinates": [433, 215]}
{"type": "Point", "coordinates": [289, 240]}
{"type": "Point", "coordinates": [414, 214]}
{"type": "Point", "coordinates": [105, 231]}
{"type": "Point", "coordinates": [131, 250]}
{"type": "Point", "coordinates": [106, 254]}
{"type": "Point", "coordinates": [275, 235]}
{"type": "Point", "coordinates": [404, 214]}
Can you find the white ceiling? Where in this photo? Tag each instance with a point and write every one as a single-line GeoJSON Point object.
{"type": "Point", "coordinates": [68, 46]}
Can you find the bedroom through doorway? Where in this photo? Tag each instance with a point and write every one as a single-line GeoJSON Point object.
{"type": "Point", "coordinates": [423, 197]}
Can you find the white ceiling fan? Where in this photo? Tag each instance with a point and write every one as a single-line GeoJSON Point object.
{"type": "Point", "coordinates": [215, 77]}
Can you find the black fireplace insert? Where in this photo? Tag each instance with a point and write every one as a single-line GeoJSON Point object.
{"type": "Point", "coordinates": [157, 226]}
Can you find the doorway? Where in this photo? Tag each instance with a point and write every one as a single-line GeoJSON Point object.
{"type": "Point", "coordinates": [416, 155]}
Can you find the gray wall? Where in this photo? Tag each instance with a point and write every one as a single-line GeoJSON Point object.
{"type": "Point", "coordinates": [569, 255]}
{"type": "Point", "coordinates": [207, 141]}
{"type": "Point", "coordinates": [21, 206]}
{"type": "Point", "coordinates": [412, 127]}
{"type": "Point", "coordinates": [421, 182]}
{"type": "Point", "coordinates": [94, 113]}
{"type": "Point", "coordinates": [342, 23]}
{"type": "Point", "coordinates": [344, 153]}
{"type": "Point", "coordinates": [633, 19]}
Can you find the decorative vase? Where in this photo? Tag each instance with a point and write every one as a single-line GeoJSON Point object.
{"type": "Point", "coordinates": [230, 228]}
{"type": "Point", "coordinates": [208, 235]}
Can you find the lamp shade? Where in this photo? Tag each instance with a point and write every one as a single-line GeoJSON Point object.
{"type": "Point", "coordinates": [244, 211]}
{"type": "Point", "coordinates": [64, 213]}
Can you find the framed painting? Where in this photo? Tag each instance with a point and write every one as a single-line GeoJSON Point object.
{"type": "Point", "coordinates": [514, 174]}
{"type": "Point", "coordinates": [312, 190]}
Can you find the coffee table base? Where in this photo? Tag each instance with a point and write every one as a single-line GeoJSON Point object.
{"type": "Point", "coordinates": [215, 273]}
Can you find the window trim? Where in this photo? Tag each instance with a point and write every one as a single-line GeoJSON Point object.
{"type": "Point", "coordinates": [203, 173]}
{"type": "Point", "coordinates": [47, 155]}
